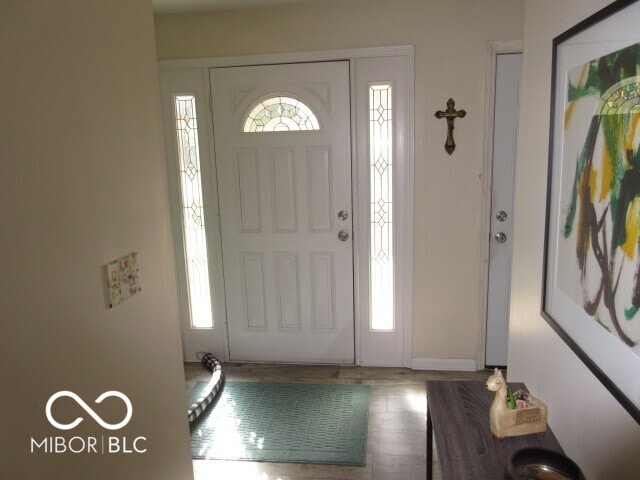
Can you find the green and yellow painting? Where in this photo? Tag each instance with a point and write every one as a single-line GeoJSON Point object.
{"type": "Point", "coordinates": [599, 267]}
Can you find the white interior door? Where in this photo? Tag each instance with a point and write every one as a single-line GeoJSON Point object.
{"type": "Point", "coordinates": [286, 212]}
{"type": "Point", "coordinates": [505, 140]}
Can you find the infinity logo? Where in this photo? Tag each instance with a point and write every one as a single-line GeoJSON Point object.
{"type": "Point", "coordinates": [89, 410]}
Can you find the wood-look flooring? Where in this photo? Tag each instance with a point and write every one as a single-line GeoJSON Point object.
{"type": "Point", "coordinates": [396, 443]}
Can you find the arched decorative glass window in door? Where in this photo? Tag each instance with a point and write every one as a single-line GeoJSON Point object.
{"type": "Point", "coordinates": [280, 114]}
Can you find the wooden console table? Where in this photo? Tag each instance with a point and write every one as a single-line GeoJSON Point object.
{"type": "Point", "coordinates": [458, 417]}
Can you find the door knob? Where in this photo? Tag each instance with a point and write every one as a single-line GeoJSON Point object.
{"type": "Point", "coordinates": [343, 235]}
{"type": "Point", "coordinates": [501, 237]}
{"type": "Point", "coordinates": [501, 215]}
{"type": "Point", "coordinates": [343, 215]}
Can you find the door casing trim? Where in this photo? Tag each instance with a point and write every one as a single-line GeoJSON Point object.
{"type": "Point", "coordinates": [351, 55]}
{"type": "Point", "coordinates": [493, 50]}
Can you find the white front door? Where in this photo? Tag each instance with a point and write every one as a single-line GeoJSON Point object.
{"type": "Point", "coordinates": [286, 210]}
{"type": "Point", "coordinates": [505, 139]}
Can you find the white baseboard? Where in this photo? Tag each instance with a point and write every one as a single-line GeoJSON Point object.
{"type": "Point", "coordinates": [449, 364]}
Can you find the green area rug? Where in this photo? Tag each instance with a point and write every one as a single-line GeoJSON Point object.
{"type": "Point", "coordinates": [284, 422]}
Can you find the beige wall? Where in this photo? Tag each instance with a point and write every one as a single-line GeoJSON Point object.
{"type": "Point", "coordinates": [592, 427]}
{"type": "Point", "coordinates": [450, 39]}
{"type": "Point", "coordinates": [82, 182]}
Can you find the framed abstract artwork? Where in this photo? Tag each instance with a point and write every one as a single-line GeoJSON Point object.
{"type": "Point", "coordinates": [591, 288]}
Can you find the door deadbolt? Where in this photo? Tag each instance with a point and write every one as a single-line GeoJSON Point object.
{"type": "Point", "coordinates": [501, 237]}
{"type": "Point", "coordinates": [343, 215]}
{"type": "Point", "coordinates": [501, 215]}
{"type": "Point", "coordinates": [343, 235]}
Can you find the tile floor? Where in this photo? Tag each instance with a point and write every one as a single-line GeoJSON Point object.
{"type": "Point", "coordinates": [396, 443]}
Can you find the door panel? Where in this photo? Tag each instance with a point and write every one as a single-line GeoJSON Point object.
{"type": "Point", "coordinates": [507, 106]}
{"type": "Point", "coordinates": [288, 277]}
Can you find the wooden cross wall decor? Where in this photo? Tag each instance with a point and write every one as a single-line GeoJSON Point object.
{"type": "Point", "coordinates": [450, 114]}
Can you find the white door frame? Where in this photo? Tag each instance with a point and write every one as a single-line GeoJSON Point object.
{"type": "Point", "coordinates": [493, 50]}
{"type": "Point", "coordinates": [404, 233]}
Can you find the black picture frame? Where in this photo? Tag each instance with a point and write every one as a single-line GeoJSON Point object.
{"type": "Point", "coordinates": [582, 235]}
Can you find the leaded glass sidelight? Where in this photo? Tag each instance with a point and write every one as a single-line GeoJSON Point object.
{"type": "Point", "coordinates": [381, 198]}
{"type": "Point", "coordinates": [195, 241]}
{"type": "Point", "coordinates": [280, 114]}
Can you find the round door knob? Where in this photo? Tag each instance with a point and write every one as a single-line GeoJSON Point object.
{"type": "Point", "coordinates": [343, 235]}
{"type": "Point", "coordinates": [501, 215]}
{"type": "Point", "coordinates": [501, 237]}
{"type": "Point", "coordinates": [343, 215]}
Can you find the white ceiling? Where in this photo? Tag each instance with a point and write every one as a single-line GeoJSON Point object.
{"type": "Point", "coordinates": [183, 6]}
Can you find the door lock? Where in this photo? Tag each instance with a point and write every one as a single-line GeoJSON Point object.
{"type": "Point", "coordinates": [343, 215]}
{"type": "Point", "coordinates": [501, 237]}
{"type": "Point", "coordinates": [501, 215]}
{"type": "Point", "coordinates": [343, 235]}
